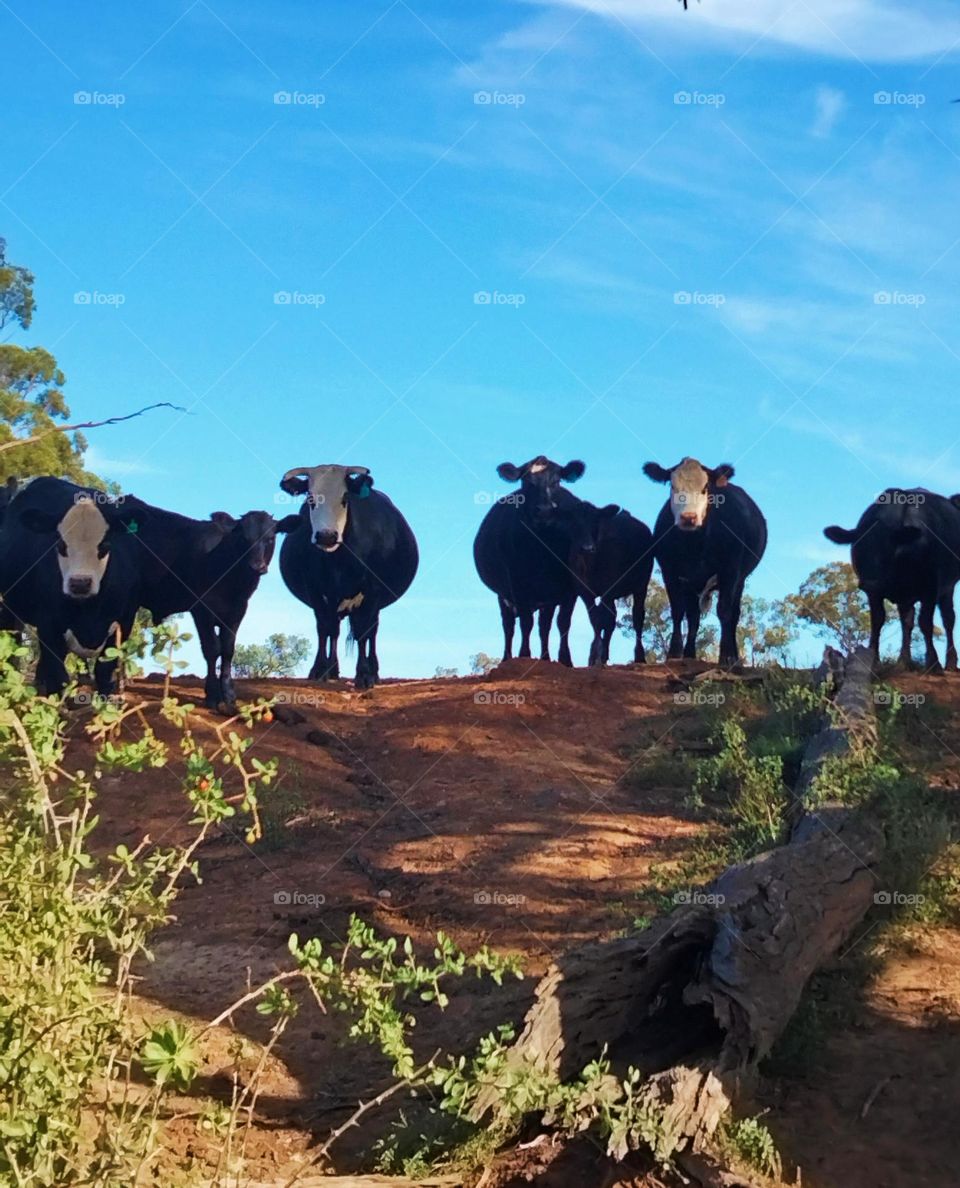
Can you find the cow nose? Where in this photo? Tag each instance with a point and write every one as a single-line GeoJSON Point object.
{"type": "Point", "coordinates": [689, 518]}
{"type": "Point", "coordinates": [259, 567]}
{"type": "Point", "coordinates": [325, 539]}
{"type": "Point", "coordinates": [80, 587]}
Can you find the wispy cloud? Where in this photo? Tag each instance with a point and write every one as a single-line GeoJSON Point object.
{"type": "Point", "coordinates": [117, 468]}
{"type": "Point", "coordinates": [868, 30]}
{"type": "Point", "coordinates": [829, 107]}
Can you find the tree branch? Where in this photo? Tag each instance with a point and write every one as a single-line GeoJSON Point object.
{"type": "Point", "coordinates": [21, 441]}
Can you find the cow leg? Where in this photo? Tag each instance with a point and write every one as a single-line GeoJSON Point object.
{"type": "Point", "coordinates": [509, 620]}
{"type": "Point", "coordinates": [728, 612]}
{"type": "Point", "coordinates": [607, 620]}
{"type": "Point", "coordinates": [526, 627]}
{"type": "Point", "coordinates": [931, 660]}
{"type": "Point", "coordinates": [948, 618]}
{"type": "Point", "coordinates": [906, 612]}
{"type": "Point", "coordinates": [228, 644]}
{"type": "Point", "coordinates": [564, 619]}
{"type": "Point", "coordinates": [692, 612]}
{"type": "Point", "coordinates": [878, 616]}
{"type": "Point", "coordinates": [675, 650]}
{"type": "Point", "coordinates": [545, 623]}
{"type": "Point", "coordinates": [596, 644]}
{"type": "Point", "coordinates": [210, 646]}
{"type": "Point", "coordinates": [326, 666]}
{"type": "Point", "coordinates": [51, 665]}
{"type": "Point", "coordinates": [104, 671]}
{"type": "Point", "coordinates": [364, 624]}
{"type": "Point", "coordinates": [639, 614]}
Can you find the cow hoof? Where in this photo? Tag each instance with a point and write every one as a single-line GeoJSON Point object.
{"type": "Point", "coordinates": [364, 680]}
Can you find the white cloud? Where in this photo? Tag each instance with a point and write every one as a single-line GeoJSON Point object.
{"type": "Point", "coordinates": [830, 104]}
{"type": "Point", "coordinates": [117, 468]}
{"type": "Point", "coordinates": [871, 30]}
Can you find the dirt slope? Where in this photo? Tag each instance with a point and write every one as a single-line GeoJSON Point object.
{"type": "Point", "coordinates": [502, 809]}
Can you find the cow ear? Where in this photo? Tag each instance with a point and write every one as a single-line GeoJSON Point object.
{"type": "Point", "coordinates": [659, 474]}
{"type": "Point", "coordinates": [289, 524]}
{"type": "Point", "coordinates": [508, 472]}
{"type": "Point", "coordinates": [295, 485]}
{"type": "Point", "coordinates": [609, 511]}
{"type": "Point", "coordinates": [35, 520]}
{"type": "Point", "coordinates": [359, 485]}
{"type": "Point", "coordinates": [722, 475]}
{"type": "Point", "coordinates": [572, 471]}
{"type": "Point", "coordinates": [223, 519]}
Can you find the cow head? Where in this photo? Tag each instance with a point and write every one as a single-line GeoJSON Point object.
{"type": "Point", "coordinates": [582, 524]}
{"type": "Point", "coordinates": [85, 535]}
{"type": "Point", "coordinates": [693, 488]}
{"type": "Point", "coordinates": [329, 490]}
{"type": "Point", "coordinates": [540, 481]}
{"type": "Point", "coordinates": [256, 535]}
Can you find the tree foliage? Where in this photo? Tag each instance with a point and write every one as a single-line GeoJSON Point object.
{"type": "Point", "coordinates": [829, 601]}
{"type": "Point", "coordinates": [280, 656]}
{"type": "Point", "coordinates": [31, 392]}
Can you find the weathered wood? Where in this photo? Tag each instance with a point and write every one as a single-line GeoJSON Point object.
{"type": "Point", "coordinates": [698, 999]}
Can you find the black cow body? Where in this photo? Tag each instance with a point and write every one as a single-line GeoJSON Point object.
{"type": "Point", "coordinates": [612, 557]}
{"type": "Point", "coordinates": [709, 536]}
{"type": "Point", "coordinates": [363, 566]}
{"type": "Point", "coordinates": [522, 553]}
{"type": "Point", "coordinates": [210, 568]}
{"type": "Point", "coordinates": [32, 583]}
{"type": "Point", "coordinates": [906, 549]}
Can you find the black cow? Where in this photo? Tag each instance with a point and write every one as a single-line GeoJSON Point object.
{"type": "Point", "coordinates": [611, 555]}
{"type": "Point", "coordinates": [210, 568]}
{"type": "Point", "coordinates": [906, 549]}
{"type": "Point", "coordinates": [69, 568]}
{"type": "Point", "coordinates": [522, 553]}
{"type": "Point", "coordinates": [709, 535]}
{"type": "Point", "coordinates": [352, 555]}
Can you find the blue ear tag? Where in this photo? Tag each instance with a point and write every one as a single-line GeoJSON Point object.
{"type": "Point", "coordinates": [364, 491]}
{"type": "Point", "coordinates": [133, 527]}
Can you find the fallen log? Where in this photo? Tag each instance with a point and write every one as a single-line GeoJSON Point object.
{"type": "Point", "coordinates": [698, 999]}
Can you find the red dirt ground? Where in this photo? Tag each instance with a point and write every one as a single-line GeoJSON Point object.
{"type": "Point", "coordinates": [502, 810]}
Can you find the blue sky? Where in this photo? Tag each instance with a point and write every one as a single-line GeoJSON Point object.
{"type": "Point", "coordinates": [792, 167]}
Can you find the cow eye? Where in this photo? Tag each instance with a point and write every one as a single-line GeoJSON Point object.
{"type": "Point", "coordinates": [62, 548]}
{"type": "Point", "coordinates": [103, 548]}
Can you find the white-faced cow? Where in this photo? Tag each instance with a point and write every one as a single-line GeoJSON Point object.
{"type": "Point", "coordinates": [352, 555]}
{"type": "Point", "coordinates": [611, 556]}
{"type": "Point", "coordinates": [522, 553]}
{"type": "Point", "coordinates": [709, 536]}
{"type": "Point", "coordinates": [210, 568]}
{"type": "Point", "coordinates": [906, 549]}
{"type": "Point", "coordinates": [68, 567]}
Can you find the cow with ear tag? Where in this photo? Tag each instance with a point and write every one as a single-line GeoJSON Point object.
{"type": "Point", "coordinates": [210, 568]}
{"type": "Point", "coordinates": [352, 555]}
{"type": "Point", "coordinates": [69, 568]}
{"type": "Point", "coordinates": [709, 536]}
{"type": "Point", "coordinates": [521, 552]}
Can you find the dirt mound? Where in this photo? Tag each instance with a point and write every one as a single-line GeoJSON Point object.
{"type": "Point", "coordinates": [503, 809]}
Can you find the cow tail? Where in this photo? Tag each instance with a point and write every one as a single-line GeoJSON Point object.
{"type": "Point", "coordinates": [706, 596]}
